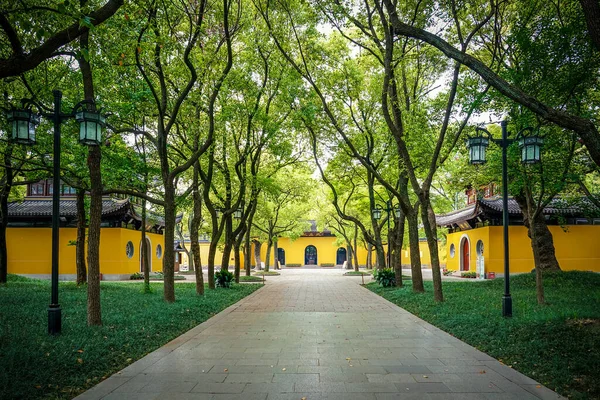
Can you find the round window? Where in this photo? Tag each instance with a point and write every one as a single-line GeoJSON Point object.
{"type": "Point", "coordinates": [129, 249]}
{"type": "Point", "coordinates": [158, 251]}
{"type": "Point", "coordinates": [452, 250]}
{"type": "Point", "coordinates": [479, 248]}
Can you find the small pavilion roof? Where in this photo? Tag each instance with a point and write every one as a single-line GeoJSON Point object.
{"type": "Point", "coordinates": [68, 207]}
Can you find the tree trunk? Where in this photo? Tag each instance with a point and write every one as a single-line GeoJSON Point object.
{"type": "Point", "coordinates": [3, 247]}
{"type": "Point", "coordinates": [169, 234]}
{"type": "Point", "coordinates": [80, 247]}
{"type": "Point", "coordinates": [276, 254]}
{"type": "Point", "coordinates": [430, 227]}
{"type": "Point", "coordinates": [349, 255]}
{"type": "Point", "coordinates": [228, 242]}
{"type": "Point", "coordinates": [396, 256]}
{"type": "Point", "coordinates": [257, 260]}
{"type": "Point", "coordinates": [212, 252]}
{"type": "Point", "coordinates": [144, 255]}
{"type": "Point", "coordinates": [356, 265]}
{"type": "Point", "coordinates": [591, 11]}
{"type": "Point", "coordinates": [94, 314]}
{"type": "Point", "coordinates": [369, 256]}
{"type": "Point", "coordinates": [268, 260]}
{"type": "Point", "coordinates": [194, 228]}
{"type": "Point", "coordinates": [415, 257]}
{"type": "Point", "coordinates": [238, 262]}
{"type": "Point", "coordinates": [247, 253]}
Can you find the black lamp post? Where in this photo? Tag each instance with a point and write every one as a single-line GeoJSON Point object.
{"type": "Point", "coordinates": [23, 123]}
{"type": "Point", "coordinates": [530, 153]}
{"type": "Point", "coordinates": [377, 215]}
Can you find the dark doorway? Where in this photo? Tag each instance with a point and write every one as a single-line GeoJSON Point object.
{"type": "Point", "coordinates": [340, 256]}
{"type": "Point", "coordinates": [310, 255]}
{"type": "Point", "coordinates": [281, 256]}
{"type": "Point", "coordinates": [466, 255]}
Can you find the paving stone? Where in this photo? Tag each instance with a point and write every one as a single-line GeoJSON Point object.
{"type": "Point", "coordinates": [335, 340]}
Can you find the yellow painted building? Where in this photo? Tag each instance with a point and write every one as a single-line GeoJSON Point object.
{"type": "Point", "coordinates": [29, 252]}
{"type": "Point", "coordinates": [29, 235]}
{"type": "Point", "coordinates": [475, 241]}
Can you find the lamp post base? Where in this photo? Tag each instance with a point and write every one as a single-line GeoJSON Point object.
{"type": "Point", "coordinates": [54, 319]}
{"type": "Point", "coordinates": [506, 305]}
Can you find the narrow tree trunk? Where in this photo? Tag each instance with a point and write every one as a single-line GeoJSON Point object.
{"type": "Point", "coordinates": [94, 314]}
{"type": "Point", "coordinates": [169, 234]}
{"type": "Point", "coordinates": [257, 260]}
{"type": "Point", "coordinates": [396, 256]}
{"type": "Point", "coordinates": [429, 225]}
{"type": "Point", "coordinates": [276, 254]}
{"type": "Point", "coordinates": [144, 255]}
{"type": "Point", "coordinates": [268, 260]}
{"type": "Point", "coordinates": [93, 302]}
{"type": "Point", "coordinates": [356, 264]}
{"type": "Point", "coordinates": [80, 247]}
{"type": "Point", "coordinates": [238, 262]}
{"type": "Point", "coordinates": [349, 255]}
{"type": "Point", "coordinates": [3, 247]}
{"type": "Point", "coordinates": [194, 228]}
{"type": "Point", "coordinates": [228, 242]}
{"type": "Point", "coordinates": [415, 257]}
{"type": "Point", "coordinates": [212, 252]}
{"type": "Point", "coordinates": [247, 253]}
{"type": "Point", "coordinates": [369, 256]}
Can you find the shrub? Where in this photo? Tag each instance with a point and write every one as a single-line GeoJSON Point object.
{"type": "Point", "coordinates": [223, 278]}
{"type": "Point", "coordinates": [327, 265]}
{"type": "Point", "coordinates": [448, 272]}
{"type": "Point", "coordinates": [293, 265]}
{"type": "Point", "coordinates": [468, 274]}
{"type": "Point", "coordinates": [136, 275]}
{"type": "Point", "coordinates": [385, 277]}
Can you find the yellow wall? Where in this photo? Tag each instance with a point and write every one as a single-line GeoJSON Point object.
{"type": "Point", "coordinates": [204, 248]}
{"type": "Point", "coordinates": [575, 249]}
{"type": "Point", "coordinates": [29, 251]}
{"type": "Point", "coordinates": [425, 255]}
{"type": "Point", "coordinates": [325, 245]}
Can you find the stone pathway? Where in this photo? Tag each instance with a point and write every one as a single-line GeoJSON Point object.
{"type": "Point", "coordinates": [317, 335]}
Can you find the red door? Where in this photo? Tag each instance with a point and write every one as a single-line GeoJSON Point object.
{"type": "Point", "coordinates": [465, 255]}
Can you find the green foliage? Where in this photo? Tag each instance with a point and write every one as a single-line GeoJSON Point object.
{"type": "Point", "coordinates": [556, 344]}
{"type": "Point", "coordinates": [245, 278]}
{"type": "Point", "coordinates": [293, 265]}
{"type": "Point", "coordinates": [327, 265]}
{"type": "Point", "coordinates": [136, 275]}
{"type": "Point", "coordinates": [36, 366]}
{"type": "Point", "coordinates": [267, 273]}
{"type": "Point", "coordinates": [385, 277]}
{"type": "Point", "coordinates": [356, 273]}
{"type": "Point", "coordinates": [468, 274]}
{"type": "Point", "coordinates": [448, 272]}
{"type": "Point", "coordinates": [224, 278]}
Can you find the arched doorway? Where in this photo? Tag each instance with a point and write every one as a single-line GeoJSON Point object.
{"type": "Point", "coordinates": [465, 253]}
{"type": "Point", "coordinates": [310, 255]}
{"type": "Point", "coordinates": [281, 256]}
{"type": "Point", "coordinates": [340, 257]}
{"type": "Point", "coordinates": [149, 253]}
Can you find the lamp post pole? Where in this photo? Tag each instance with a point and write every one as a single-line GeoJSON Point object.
{"type": "Point", "coordinates": [506, 298]}
{"type": "Point", "coordinates": [54, 310]}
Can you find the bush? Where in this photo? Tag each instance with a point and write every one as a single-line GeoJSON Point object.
{"type": "Point", "coordinates": [136, 275]}
{"type": "Point", "coordinates": [327, 265]}
{"type": "Point", "coordinates": [223, 278]}
{"type": "Point", "coordinates": [448, 272]}
{"type": "Point", "coordinates": [468, 274]}
{"type": "Point", "coordinates": [293, 265]}
{"type": "Point", "coordinates": [385, 277]}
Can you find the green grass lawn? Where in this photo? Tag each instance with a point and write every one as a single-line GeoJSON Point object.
{"type": "Point", "coordinates": [357, 273]}
{"type": "Point", "coordinates": [244, 278]}
{"type": "Point", "coordinates": [266, 273]}
{"type": "Point", "coordinates": [36, 365]}
{"type": "Point", "coordinates": [557, 344]}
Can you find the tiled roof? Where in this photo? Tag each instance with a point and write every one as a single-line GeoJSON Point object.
{"type": "Point", "coordinates": [68, 208]}
{"type": "Point", "coordinates": [457, 216]}
{"type": "Point", "coordinates": [494, 205]}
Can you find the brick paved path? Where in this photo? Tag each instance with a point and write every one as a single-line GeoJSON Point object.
{"type": "Point", "coordinates": [317, 335]}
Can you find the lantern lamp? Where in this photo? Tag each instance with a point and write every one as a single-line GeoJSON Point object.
{"type": "Point", "coordinates": [23, 123]}
{"type": "Point", "coordinates": [477, 146]}
{"type": "Point", "coordinates": [237, 214]}
{"type": "Point", "coordinates": [530, 149]}
{"type": "Point", "coordinates": [90, 127]}
{"type": "Point", "coordinates": [398, 212]}
{"type": "Point", "coordinates": [376, 212]}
